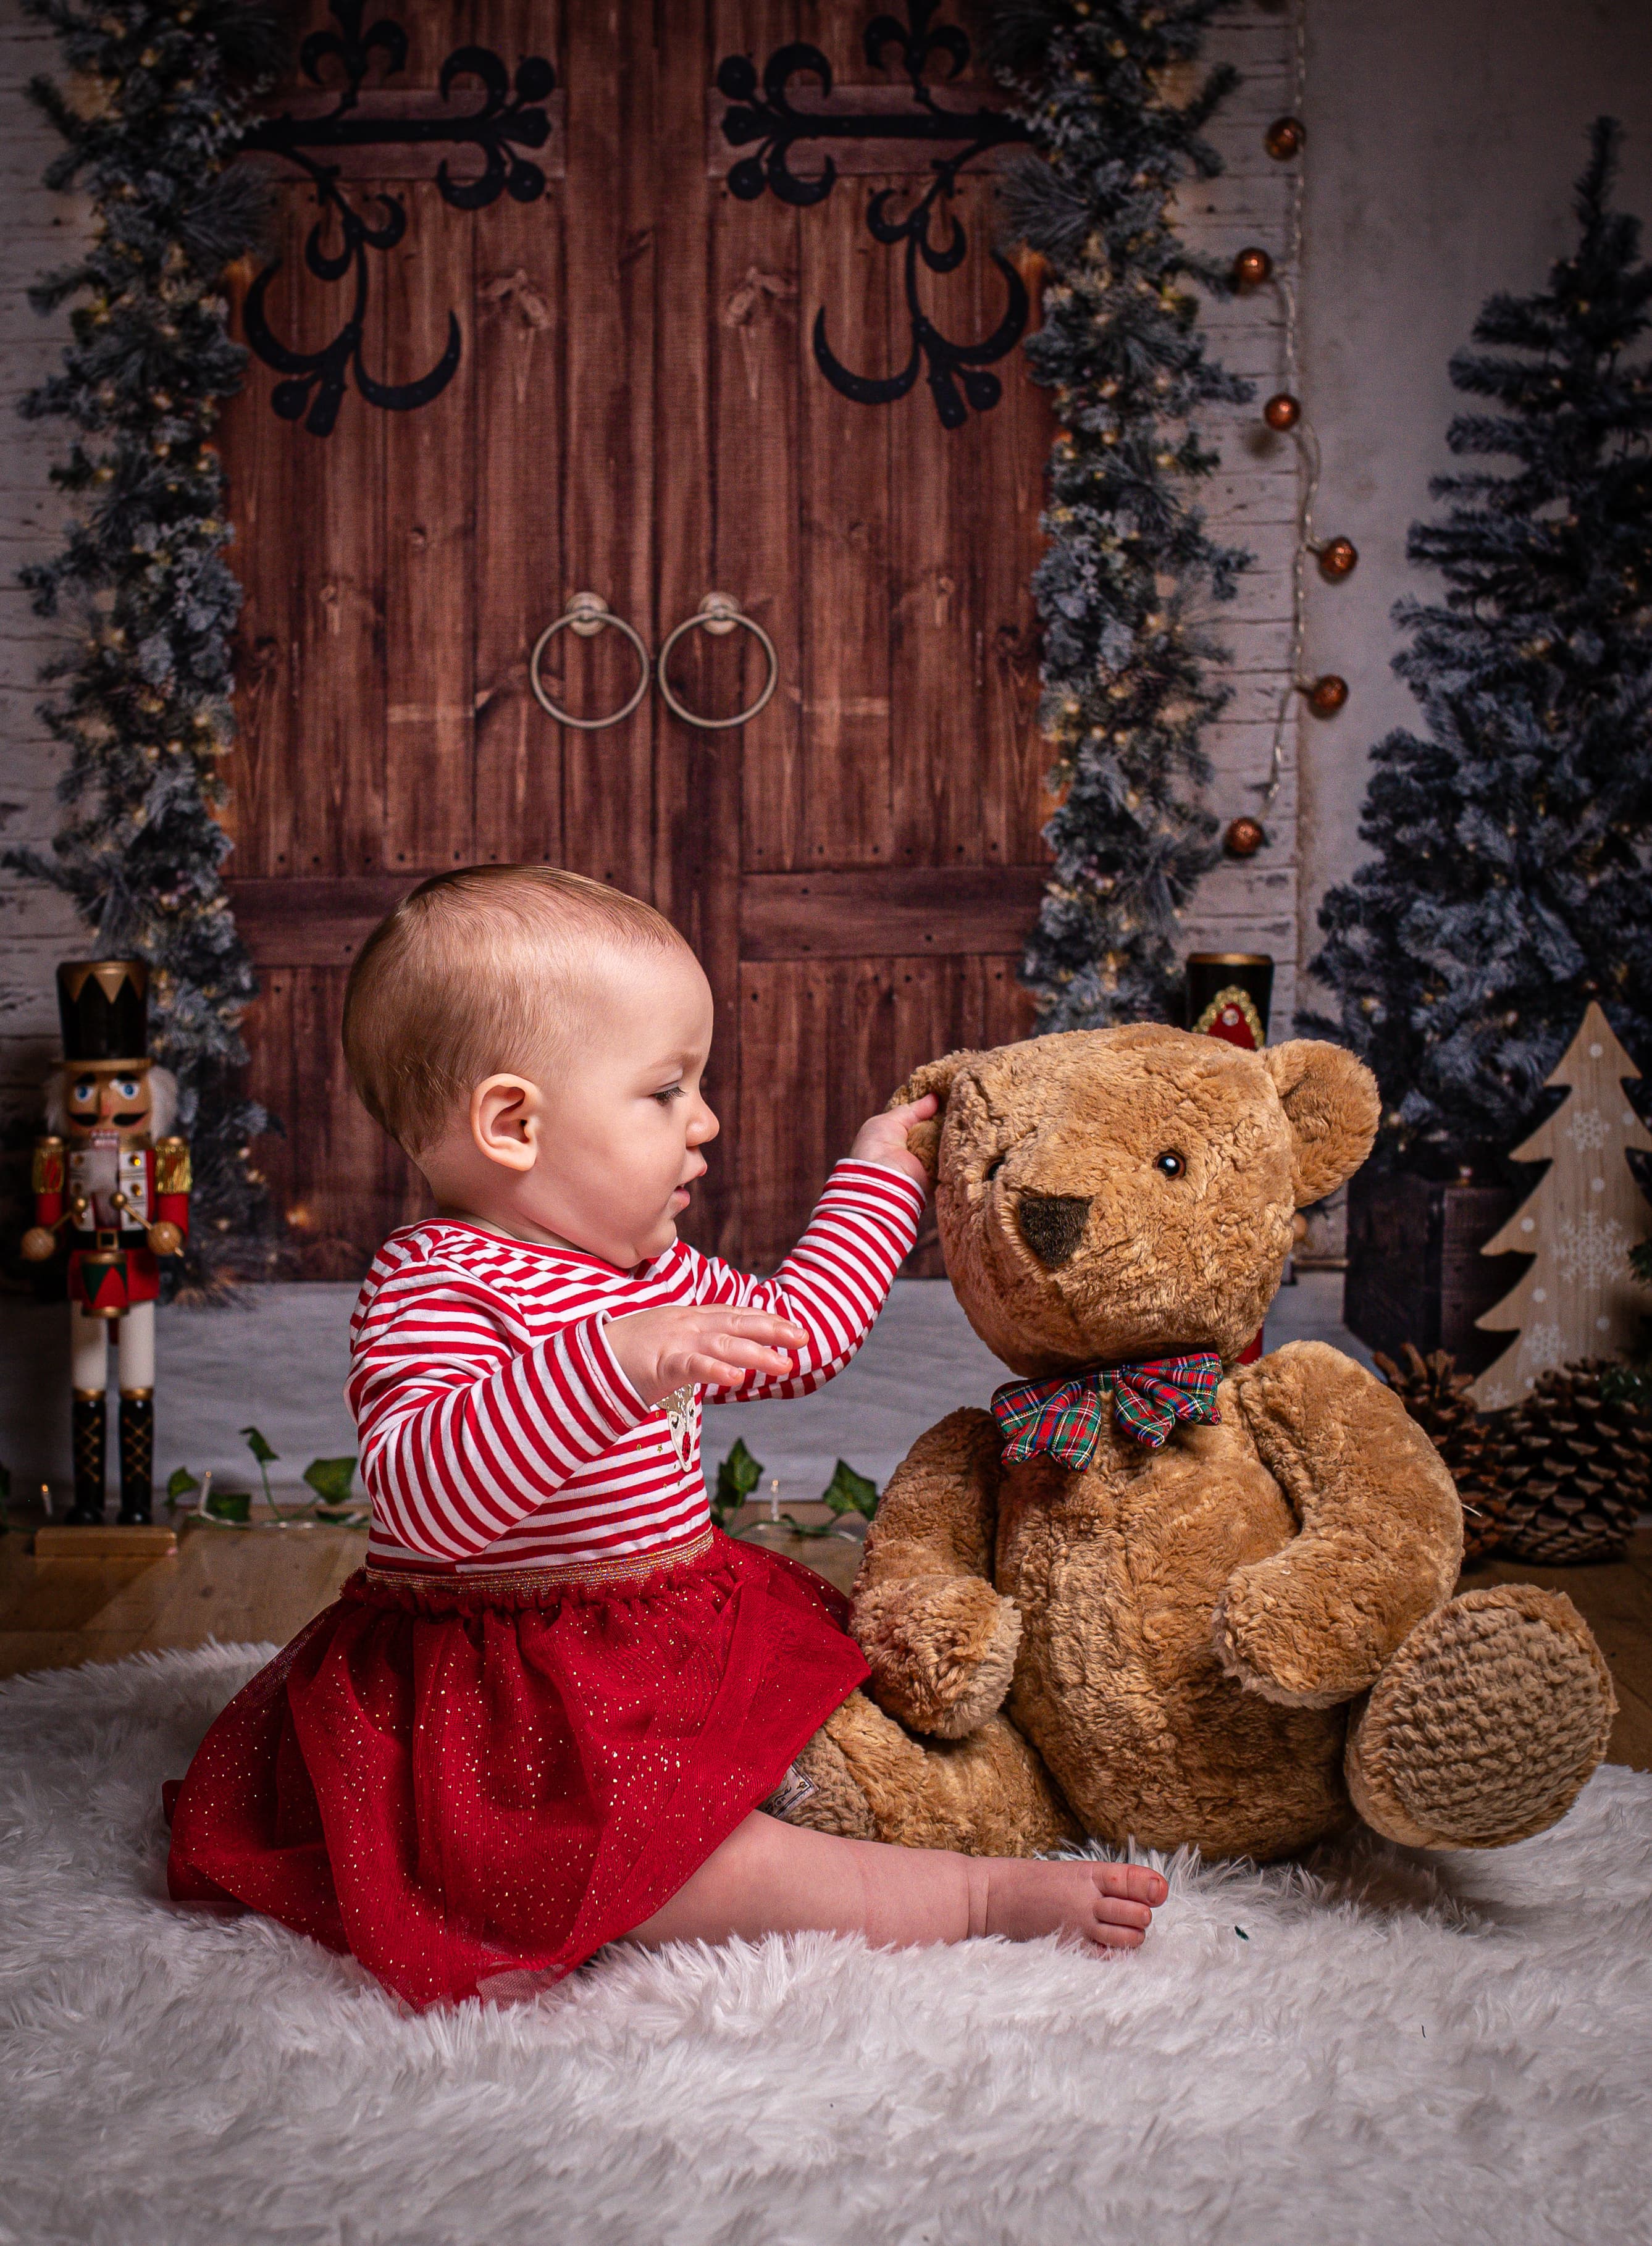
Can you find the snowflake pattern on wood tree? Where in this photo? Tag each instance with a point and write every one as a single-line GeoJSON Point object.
{"type": "Point", "coordinates": [1580, 1298]}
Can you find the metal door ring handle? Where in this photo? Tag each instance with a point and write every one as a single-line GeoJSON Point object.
{"type": "Point", "coordinates": [588, 613]}
{"type": "Point", "coordinates": [718, 614]}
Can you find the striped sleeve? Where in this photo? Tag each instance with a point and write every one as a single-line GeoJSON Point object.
{"type": "Point", "coordinates": [465, 1425]}
{"type": "Point", "coordinates": [836, 1279]}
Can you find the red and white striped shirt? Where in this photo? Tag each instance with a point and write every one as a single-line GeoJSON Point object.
{"type": "Point", "coordinates": [496, 1429]}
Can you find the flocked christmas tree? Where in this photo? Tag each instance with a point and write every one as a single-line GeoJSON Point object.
{"type": "Point", "coordinates": [144, 713]}
{"type": "Point", "coordinates": [1513, 882]}
{"type": "Point", "coordinates": [1128, 690]}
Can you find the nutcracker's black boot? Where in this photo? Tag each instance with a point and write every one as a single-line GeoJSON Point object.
{"type": "Point", "coordinates": [88, 1421]}
{"type": "Point", "coordinates": [136, 1456]}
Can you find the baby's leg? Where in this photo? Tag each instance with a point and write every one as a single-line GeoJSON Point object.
{"type": "Point", "coordinates": [774, 1878]}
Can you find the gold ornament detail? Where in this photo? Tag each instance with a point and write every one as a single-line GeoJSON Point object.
{"type": "Point", "coordinates": [172, 1166]}
{"type": "Point", "coordinates": [1233, 996]}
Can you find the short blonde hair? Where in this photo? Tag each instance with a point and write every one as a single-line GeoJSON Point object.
{"type": "Point", "coordinates": [475, 972]}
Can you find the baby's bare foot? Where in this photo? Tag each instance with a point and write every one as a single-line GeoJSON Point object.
{"type": "Point", "coordinates": [1107, 1906]}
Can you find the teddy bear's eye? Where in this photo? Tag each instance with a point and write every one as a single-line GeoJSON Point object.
{"type": "Point", "coordinates": [1170, 1164]}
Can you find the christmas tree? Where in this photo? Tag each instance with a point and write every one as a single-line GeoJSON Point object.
{"type": "Point", "coordinates": [161, 91]}
{"type": "Point", "coordinates": [1581, 1297]}
{"type": "Point", "coordinates": [1127, 690]}
{"type": "Point", "coordinates": [1515, 838]}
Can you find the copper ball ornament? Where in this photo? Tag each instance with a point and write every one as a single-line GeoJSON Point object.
{"type": "Point", "coordinates": [1327, 695]}
{"type": "Point", "coordinates": [1282, 410]}
{"type": "Point", "coordinates": [1336, 558]}
{"type": "Point", "coordinates": [1244, 838]}
{"type": "Point", "coordinates": [1284, 139]}
{"type": "Point", "coordinates": [1252, 267]}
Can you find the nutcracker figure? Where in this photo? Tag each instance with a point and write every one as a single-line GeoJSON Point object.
{"type": "Point", "coordinates": [109, 1173]}
{"type": "Point", "coordinates": [1228, 996]}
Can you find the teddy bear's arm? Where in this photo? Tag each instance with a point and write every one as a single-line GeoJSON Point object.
{"type": "Point", "coordinates": [940, 1641]}
{"type": "Point", "coordinates": [1382, 1531]}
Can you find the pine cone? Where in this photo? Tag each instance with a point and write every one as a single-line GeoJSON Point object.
{"type": "Point", "coordinates": [1435, 1394]}
{"type": "Point", "coordinates": [1579, 1460]}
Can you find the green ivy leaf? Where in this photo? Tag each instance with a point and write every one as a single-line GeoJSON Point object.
{"type": "Point", "coordinates": [180, 1483]}
{"type": "Point", "coordinates": [848, 1492]}
{"type": "Point", "coordinates": [330, 1478]}
{"type": "Point", "coordinates": [736, 1478]}
{"type": "Point", "coordinates": [258, 1447]}
{"type": "Point", "coordinates": [230, 1504]}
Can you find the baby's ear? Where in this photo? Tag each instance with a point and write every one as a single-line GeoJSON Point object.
{"type": "Point", "coordinates": [924, 1138]}
{"type": "Point", "coordinates": [1331, 1103]}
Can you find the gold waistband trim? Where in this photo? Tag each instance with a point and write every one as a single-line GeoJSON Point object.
{"type": "Point", "coordinates": [621, 1569]}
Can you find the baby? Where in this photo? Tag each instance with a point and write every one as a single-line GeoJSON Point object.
{"type": "Point", "coordinates": [549, 1710]}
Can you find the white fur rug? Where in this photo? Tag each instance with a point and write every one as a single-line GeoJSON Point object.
{"type": "Point", "coordinates": [1397, 2052]}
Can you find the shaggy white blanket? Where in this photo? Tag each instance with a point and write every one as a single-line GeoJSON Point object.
{"type": "Point", "coordinates": [1396, 2050]}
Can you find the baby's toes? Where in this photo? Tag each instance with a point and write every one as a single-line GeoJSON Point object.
{"type": "Point", "coordinates": [1140, 1881]}
{"type": "Point", "coordinates": [1104, 1935]}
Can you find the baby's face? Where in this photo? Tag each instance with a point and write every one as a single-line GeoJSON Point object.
{"type": "Point", "coordinates": [624, 1118]}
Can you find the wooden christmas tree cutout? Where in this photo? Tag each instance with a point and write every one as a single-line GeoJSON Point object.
{"type": "Point", "coordinates": [1580, 1298]}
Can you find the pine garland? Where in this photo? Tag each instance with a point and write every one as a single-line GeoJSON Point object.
{"type": "Point", "coordinates": [152, 115]}
{"type": "Point", "coordinates": [1127, 692]}
{"type": "Point", "coordinates": [1513, 882]}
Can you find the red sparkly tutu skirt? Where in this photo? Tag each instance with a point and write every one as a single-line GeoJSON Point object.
{"type": "Point", "coordinates": [457, 1780]}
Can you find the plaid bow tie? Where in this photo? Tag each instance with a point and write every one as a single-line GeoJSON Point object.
{"type": "Point", "coordinates": [1064, 1416]}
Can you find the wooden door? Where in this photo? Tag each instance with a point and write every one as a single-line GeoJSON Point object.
{"type": "Point", "coordinates": [638, 410]}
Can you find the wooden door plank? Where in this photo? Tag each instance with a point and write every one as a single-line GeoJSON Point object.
{"type": "Point", "coordinates": [259, 456]}
{"type": "Point", "coordinates": [937, 521]}
{"type": "Point", "coordinates": [331, 546]}
{"type": "Point", "coordinates": [761, 357]}
{"type": "Point", "coordinates": [696, 781]}
{"type": "Point", "coordinates": [522, 443]}
{"type": "Point", "coordinates": [521, 317]}
{"type": "Point", "coordinates": [819, 915]}
{"type": "Point", "coordinates": [843, 509]}
{"type": "Point", "coordinates": [429, 529]}
{"type": "Point", "coordinates": [908, 909]}
{"type": "Point", "coordinates": [1015, 757]}
{"type": "Point", "coordinates": [272, 1079]}
{"type": "Point", "coordinates": [783, 1101]}
{"type": "Point", "coordinates": [608, 512]}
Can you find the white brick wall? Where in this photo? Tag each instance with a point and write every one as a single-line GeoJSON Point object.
{"type": "Point", "coordinates": [1251, 905]}
{"type": "Point", "coordinates": [41, 230]}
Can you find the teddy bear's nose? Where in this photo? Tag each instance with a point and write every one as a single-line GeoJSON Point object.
{"type": "Point", "coordinates": [1052, 1225]}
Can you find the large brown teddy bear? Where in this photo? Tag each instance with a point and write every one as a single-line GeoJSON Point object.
{"type": "Point", "coordinates": [1240, 1635]}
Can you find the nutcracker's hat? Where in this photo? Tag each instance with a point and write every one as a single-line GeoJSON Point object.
{"type": "Point", "coordinates": [103, 1004]}
{"type": "Point", "coordinates": [1229, 995]}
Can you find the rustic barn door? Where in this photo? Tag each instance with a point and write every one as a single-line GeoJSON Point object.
{"type": "Point", "coordinates": [640, 410]}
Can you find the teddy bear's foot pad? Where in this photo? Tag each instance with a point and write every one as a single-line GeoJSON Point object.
{"type": "Point", "coordinates": [1486, 1723]}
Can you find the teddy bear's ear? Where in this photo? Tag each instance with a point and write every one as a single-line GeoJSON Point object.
{"type": "Point", "coordinates": [924, 1138]}
{"type": "Point", "coordinates": [1332, 1105]}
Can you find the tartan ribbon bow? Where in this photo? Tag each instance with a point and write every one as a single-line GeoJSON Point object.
{"type": "Point", "coordinates": [1065, 1417]}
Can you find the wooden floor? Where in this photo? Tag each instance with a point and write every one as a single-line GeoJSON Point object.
{"type": "Point", "coordinates": [264, 1585]}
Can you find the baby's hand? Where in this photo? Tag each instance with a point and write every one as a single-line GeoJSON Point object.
{"type": "Point", "coordinates": [687, 1347]}
{"type": "Point", "coordinates": [883, 1140]}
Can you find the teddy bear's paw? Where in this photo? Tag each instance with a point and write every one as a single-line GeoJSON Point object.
{"type": "Point", "coordinates": [1486, 1724]}
{"type": "Point", "coordinates": [941, 1651]}
{"type": "Point", "coordinates": [822, 1792]}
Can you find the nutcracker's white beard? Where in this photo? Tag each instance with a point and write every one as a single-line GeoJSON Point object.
{"type": "Point", "coordinates": [163, 1102]}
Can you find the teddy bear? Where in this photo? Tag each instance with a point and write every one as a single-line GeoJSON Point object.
{"type": "Point", "coordinates": [1155, 1595]}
